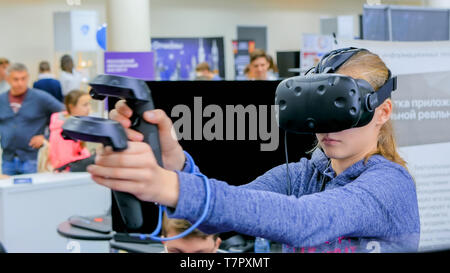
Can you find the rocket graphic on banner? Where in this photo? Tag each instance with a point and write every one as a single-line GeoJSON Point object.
{"type": "Point", "coordinates": [177, 58]}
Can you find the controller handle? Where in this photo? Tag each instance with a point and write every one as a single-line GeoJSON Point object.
{"type": "Point", "coordinates": [150, 131]}
{"type": "Point", "coordinates": [129, 206]}
{"type": "Point", "coordinates": [130, 209]}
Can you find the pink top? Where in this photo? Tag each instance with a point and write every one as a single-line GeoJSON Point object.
{"type": "Point", "coordinates": [62, 151]}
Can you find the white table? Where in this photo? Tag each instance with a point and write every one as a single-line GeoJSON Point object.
{"type": "Point", "coordinates": [31, 213]}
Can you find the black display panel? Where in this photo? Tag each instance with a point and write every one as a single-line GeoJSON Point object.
{"type": "Point", "coordinates": [238, 158]}
{"type": "Point", "coordinates": [287, 60]}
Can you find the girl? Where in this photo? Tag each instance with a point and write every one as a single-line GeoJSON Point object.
{"type": "Point", "coordinates": [354, 194]}
{"type": "Point", "coordinates": [62, 151]}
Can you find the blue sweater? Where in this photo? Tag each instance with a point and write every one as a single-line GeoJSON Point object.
{"type": "Point", "coordinates": [369, 207]}
{"type": "Point", "coordinates": [51, 86]}
{"type": "Point", "coordinates": [16, 130]}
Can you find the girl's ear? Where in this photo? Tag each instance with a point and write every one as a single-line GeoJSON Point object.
{"type": "Point", "coordinates": [70, 108]}
{"type": "Point", "coordinates": [384, 112]}
{"type": "Point", "coordinates": [217, 244]}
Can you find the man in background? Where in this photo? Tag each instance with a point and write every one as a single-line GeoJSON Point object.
{"type": "Point", "coordinates": [47, 82]}
{"type": "Point", "coordinates": [4, 86]}
{"type": "Point", "coordinates": [259, 66]}
{"type": "Point", "coordinates": [24, 115]}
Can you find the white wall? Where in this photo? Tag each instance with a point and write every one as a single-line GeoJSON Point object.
{"type": "Point", "coordinates": [27, 26]}
{"type": "Point", "coordinates": [438, 3]}
{"type": "Point", "coordinates": [286, 20]}
{"type": "Point", "coordinates": [26, 30]}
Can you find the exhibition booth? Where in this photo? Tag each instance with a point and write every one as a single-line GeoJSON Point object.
{"type": "Point", "coordinates": [230, 127]}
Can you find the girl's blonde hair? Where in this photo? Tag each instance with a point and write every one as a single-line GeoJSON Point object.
{"type": "Point", "coordinates": [368, 66]}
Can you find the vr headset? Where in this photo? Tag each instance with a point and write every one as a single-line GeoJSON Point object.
{"type": "Point", "coordinates": [322, 102]}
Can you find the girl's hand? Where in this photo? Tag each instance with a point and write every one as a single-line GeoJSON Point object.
{"type": "Point", "coordinates": [136, 171]}
{"type": "Point", "coordinates": [172, 153]}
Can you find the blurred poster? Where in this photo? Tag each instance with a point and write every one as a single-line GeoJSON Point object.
{"type": "Point", "coordinates": [75, 31]}
{"type": "Point", "coordinates": [241, 52]}
{"type": "Point", "coordinates": [408, 57]}
{"type": "Point", "coordinates": [83, 29]}
{"type": "Point", "coordinates": [421, 119]}
{"type": "Point", "coordinates": [131, 64]}
{"type": "Point", "coordinates": [177, 58]}
{"type": "Point", "coordinates": [313, 48]}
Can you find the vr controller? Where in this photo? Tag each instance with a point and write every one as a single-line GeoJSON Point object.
{"type": "Point", "coordinates": [111, 133]}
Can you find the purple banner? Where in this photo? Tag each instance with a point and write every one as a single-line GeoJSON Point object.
{"type": "Point", "coordinates": [131, 64]}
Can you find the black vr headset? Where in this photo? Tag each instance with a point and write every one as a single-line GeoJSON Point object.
{"type": "Point", "coordinates": [322, 102]}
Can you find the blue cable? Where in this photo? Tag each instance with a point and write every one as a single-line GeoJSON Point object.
{"type": "Point", "coordinates": [162, 208]}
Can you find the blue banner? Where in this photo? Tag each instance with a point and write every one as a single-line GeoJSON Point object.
{"type": "Point", "coordinates": [177, 58]}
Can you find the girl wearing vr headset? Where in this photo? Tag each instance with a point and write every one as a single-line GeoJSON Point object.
{"type": "Point", "coordinates": [354, 194]}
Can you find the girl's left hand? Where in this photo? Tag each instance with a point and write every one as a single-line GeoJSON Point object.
{"type": "Point", "coordinates": [136, 171]}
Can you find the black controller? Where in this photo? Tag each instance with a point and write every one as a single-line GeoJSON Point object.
{"type": "Point", "coordinates": [111, 133]}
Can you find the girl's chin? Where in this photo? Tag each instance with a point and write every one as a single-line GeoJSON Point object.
{"type": "Point", "coordinates": [332, 153]}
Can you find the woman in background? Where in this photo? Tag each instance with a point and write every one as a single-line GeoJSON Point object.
{"type": "Point", "coordinates": [70, 79]}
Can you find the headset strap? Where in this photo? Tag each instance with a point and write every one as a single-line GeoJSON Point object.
{"type": "Point", "coordinates": [334, 59]}
{"type": "Point", "coordinates": [377, 98]}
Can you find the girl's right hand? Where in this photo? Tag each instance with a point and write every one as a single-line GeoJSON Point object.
{"type": "Point", "coordinates": [172, 153]}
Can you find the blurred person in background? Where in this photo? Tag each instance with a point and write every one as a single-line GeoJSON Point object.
{"type": "Point", "coordinates": [70, 79]}
{"type": "Point", "coordinates": [4, 86]}
{"type": "Point", "coordinates": [24, 114]}
{"type": "Point", "coordinates": [259, 66]}
{"type": "Point", "coordinates": [47, 82]}
{"type": "Point", "coordinates": [63, 151]}
{"type": "Point", "coordinates": [272, 73]}
{"type": "Point", "coordinates": [194, 242]}
{"type": "Point", "coordinates": [204, 73]}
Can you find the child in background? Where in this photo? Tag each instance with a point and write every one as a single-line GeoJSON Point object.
{"type": "Point", "coordinates": [194, 242]}
{"type": "Point", "coordinates": [62, 151]}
